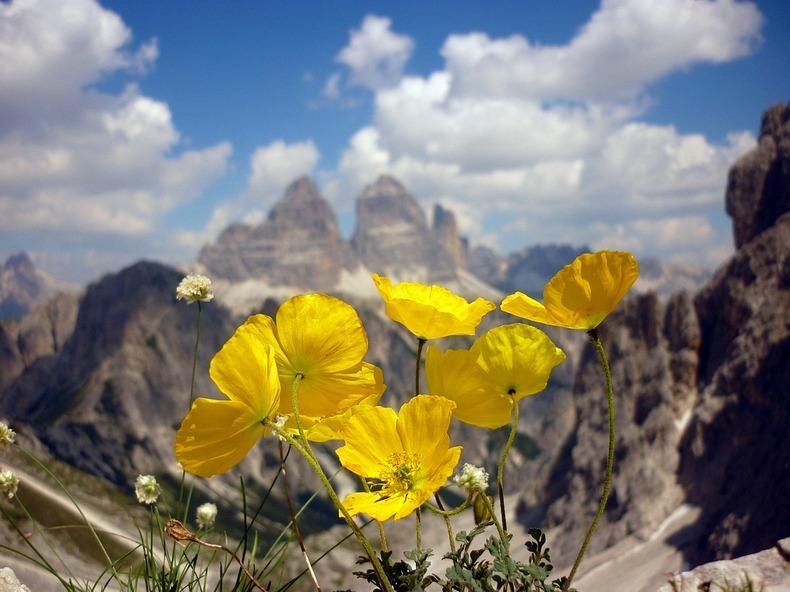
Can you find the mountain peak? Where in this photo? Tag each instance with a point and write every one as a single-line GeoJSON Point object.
{"type": "Point", "coordinates": [303, 189]}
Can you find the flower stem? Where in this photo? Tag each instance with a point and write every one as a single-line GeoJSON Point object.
{"type": "Point", "coordinates": [302, 446]}
{"type": "Point", "coordinates": [297, 534]}
{"type": "Point", "coordinates": [420, 345]}
{"type": "Point", "coordinates": [593, 334]}
{"type": "Point", "coordinates": [500, 474]}
{"type": "Point", "coordinates": [195, 355]}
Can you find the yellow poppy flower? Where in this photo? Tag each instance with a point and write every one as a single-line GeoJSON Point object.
{"type": "Point", "coordinates": [405, 457]}
{"type": "Point", "coordinates": [216, 434]}
{"type": "Point", "coordinates": [431, 312]}
{"type": "Point", "coordinates": [322, 339]}
{"type": "Point", "coordinates": [582, 294]}
{"type": "Point", "coordinates": [503, 365]}
{"type": "Point", "coordinates": [456, 375]}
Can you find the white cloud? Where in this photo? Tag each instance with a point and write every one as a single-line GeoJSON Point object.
{"type": "Point", "coordinates": [375, 54]}
{"type": "Point", "coordinates": [626, 45]}
{"type": "Point", "coordinates": [545, 144]}
{"type": "Point", "coordinates": [275, 166]}
{"type": "Point", "coordinates": [77, 160]}
{"type": "Point", "coordinates": [272, 169]}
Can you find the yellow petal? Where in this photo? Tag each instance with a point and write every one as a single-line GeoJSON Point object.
{"type": "Point", "coordinates": [216, 435]}
{"type": "Point", "coordinates": [431, 312]}
{"type": "Point", "coordinates": [582, 294]}
{"type": "Point", "coordinates": [375, 506]}
{"type": "Point", "coordinates": [588, 289]}
{"type": "Point", "coordinates": [324, 394]}
{"type": "Point", "coordinates": [320, 333]}
{"type": "Point", "coordinates": [370, 440]}
{"type": "Point", "coordinates": [324, 429]}
{"type": "Point", "coordinates": [422, 425]}
{"type": "Point", "coordinates": [246, 371]}
{"type": "Point", "coordinates": [523, 306]}
{"type": "Point", "coordinates": [456, 375]}
{"type": "Point", "coordinates": [518, 359]}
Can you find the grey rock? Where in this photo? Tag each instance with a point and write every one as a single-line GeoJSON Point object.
{"type": "Point", "coordinates": [446, 232]}
{"type": "Point", "coordinates": [299, 245]}
{"type": "Point", "coordinates": [767, 571]}
{"type": "Point", "coordinates": [22, 287]}
{"type": "Point", "coordinates": [757, 189]}
{"type": "Point", "coordinates": [393, 236]}
{"type": "Point", "coordinates": [9, 582]}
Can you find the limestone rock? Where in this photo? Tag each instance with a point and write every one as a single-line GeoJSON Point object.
{"type": "Point", "coordinates": [393, 237]}
{"type": "Point", "coordinates": [109, 398]}
{"type": "Point", "coordinates": [757, 189]}
{"type": "Point", "coordinates": [9, 582]}
{"type": "Point", "coordinates": [23, 287]}
{"type": "Point", "coordinates": [446, 232]}
{"type": "Point", "coordinates": [767, 571]}
{"type": "Point", "coordinates": [299, 245]}
{"type": "Point", "coordinates": [734, 464]}
{"type": "Point", "coordinates": [652, 354]}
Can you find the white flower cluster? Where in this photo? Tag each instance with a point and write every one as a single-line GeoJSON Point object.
{"type": "Point", "coordinates": [8, 483]}
{"type": "Point", "coordinates": [206, 514]}
{"type": "Point", "coordinates": [147, 489]}
{"type": "Point", "coordinates": [7, 435]}
{"type": "Point", "coordinates": [195, 288]}
{"type": "Point", "coordinates": [472, 477]}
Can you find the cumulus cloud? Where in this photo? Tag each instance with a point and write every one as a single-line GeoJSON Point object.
{"type": "Point", "coordinates": [547, 144]}
{"type": "Point", "coordinates": [75, 159]}
{"type": "Point", "coordinates": [375, 55]}
{"type": "Point", "coordinates": [625, 46]}
{"type": "Point", "coordinates": [272, 169]}
{"type": "Point", "coordinates": [276, 165]}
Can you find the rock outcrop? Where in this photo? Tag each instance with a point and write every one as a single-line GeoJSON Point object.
{"type": "Point", "coordinates": [23, 287]}
{"type": "Point", "coordinates": [298, 245]}
{"type": "Point", "coordinates": [757, 189]}
{"type": "Point", "coordinates": [765, 571]}
{"type": "Point", "coordinates": [701, 397]}
{"type": "Point", "coordinates": [107, 399]}
{"type": "Point", "coordinates": [393, 236]}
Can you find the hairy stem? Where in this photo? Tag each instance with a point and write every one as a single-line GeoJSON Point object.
{"type": "Point", "coordinates": [607, 483]}
{"type": "Point", "coordinates": [500, 474]}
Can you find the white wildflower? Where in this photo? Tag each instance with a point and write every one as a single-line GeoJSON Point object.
{"type": "Point", "coordinates": [472, 477]}
{"type": "Point", "coordinates": [279, 422]}
{"type": "Point", "coordinates": [206, 514]}
{"type": "Point", "coordinates": [147, 489]}
{"type": "Point", "coordinates": [7, 435]}
{"type": "Point", "coordinates": [195, 288]}
{"type": "Point", "coordinates": [8, 483]}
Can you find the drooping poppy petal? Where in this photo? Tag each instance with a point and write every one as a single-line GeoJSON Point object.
{"type": "Point", "coordinates": [582, 294]}
{"type": "Point", "coordinates": [431, 312]}
{"type": "Point", "coordinates": [216, 435]}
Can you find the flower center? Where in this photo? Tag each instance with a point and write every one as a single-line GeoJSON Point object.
{"type": "Point", "coordinates": [400, 473]}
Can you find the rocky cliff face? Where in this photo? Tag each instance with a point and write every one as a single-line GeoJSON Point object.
{"type": "Point", "coordinates": [701, 395]}
{"type": "Point", "coordinates": [23, 287]}
{"type": "Point", "coordinates": [393, 236]}
{"type": "Point", "coordinates": [734, 451]}
{"type": "Point", "coordinates": [299, 245]}
{"type": "Point", "coordinates": [107, 398]}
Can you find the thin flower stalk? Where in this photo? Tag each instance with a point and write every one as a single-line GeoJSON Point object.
{"type": "Point", "coordinates": [179, 533]}
{"type": "Point", "coordinates": [295, 525]}
{"type": "Point", "coordinates": [593, 334]}
{"type": "Point", "coordinates": [303, 447]}
{"type": "Point", "coordinates": [500, 474]}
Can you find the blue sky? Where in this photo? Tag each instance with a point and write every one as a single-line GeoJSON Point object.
{"type": "Point", "coordinates": [141, 129]}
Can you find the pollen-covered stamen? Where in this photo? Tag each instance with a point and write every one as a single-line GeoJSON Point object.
{"type": "Point", "coordinates": [400, 473]}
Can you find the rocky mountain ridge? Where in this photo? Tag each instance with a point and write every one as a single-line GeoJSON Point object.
{"type": "Point", "coordinates": [23, 287]}
{"type": "Point", "coordinates": [102, 381]}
